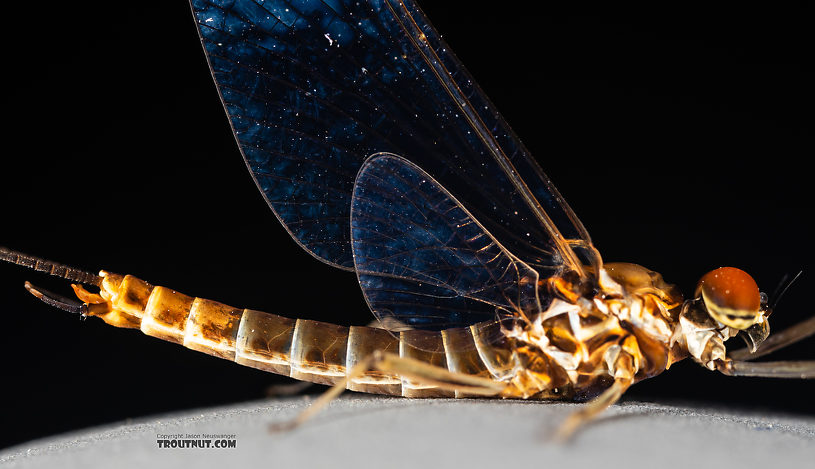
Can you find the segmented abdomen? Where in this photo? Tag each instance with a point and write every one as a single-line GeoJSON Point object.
{"type": "Point", "coordinates": [302, 349]}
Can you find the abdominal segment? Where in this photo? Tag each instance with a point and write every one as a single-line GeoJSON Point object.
{"type": "Point", "coordinates": [303, 349]}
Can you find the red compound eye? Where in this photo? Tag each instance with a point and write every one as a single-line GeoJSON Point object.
{"type": "Point", "coordinates": [732, 296]}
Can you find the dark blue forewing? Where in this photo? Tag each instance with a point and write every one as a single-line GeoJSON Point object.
{"type": "Point", "coordinates": [312, 88]}
{"type": "Point", "coordinates": [423, 259]}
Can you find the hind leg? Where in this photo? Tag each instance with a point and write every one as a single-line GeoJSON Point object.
{"type": "Point", "coordinates": [409, 368]}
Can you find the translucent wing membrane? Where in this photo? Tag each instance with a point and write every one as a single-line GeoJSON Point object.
{"type": "Point", "coordinates": [312, 88]}
{"type": "Point", "coordinates": [421, 257]}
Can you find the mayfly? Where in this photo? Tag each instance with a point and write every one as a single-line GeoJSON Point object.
{"type": "Point", "coordinates": [380, 155]}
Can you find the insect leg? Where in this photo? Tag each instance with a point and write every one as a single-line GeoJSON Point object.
{"type": "Point", "coordinates": [333, 392]}
{"type": "Point", "coordinates": [289, 389]}
{"type": "Point", "coordinates": [426, 374]}
{"type": "Point", "coordinates": [778, 340]}
{"type": "Point", "coordinates": [780, 369]}
{"type": "Point", "coordinates": [623, 372]}
{"type": "Point", "coordinates": [415, 370]}
{"type": "Point", "coordinates": [592, 409]}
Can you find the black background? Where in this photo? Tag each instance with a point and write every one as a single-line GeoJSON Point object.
{"type": "Point", "coordinates": [681, 139]}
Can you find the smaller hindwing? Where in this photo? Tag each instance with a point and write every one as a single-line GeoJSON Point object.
{"type": "Point", "coordinates": [423, 260]}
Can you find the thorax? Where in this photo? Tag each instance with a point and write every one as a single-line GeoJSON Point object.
{"type": "Point", "coordinates": [582, 338]}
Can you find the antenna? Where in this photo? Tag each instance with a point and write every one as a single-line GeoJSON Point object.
{"type": "Point", "coordinates": [782, 288]}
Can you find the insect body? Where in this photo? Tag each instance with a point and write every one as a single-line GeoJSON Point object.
{"type": "Point", "coordinates": [380, 155]}
{"type": "Point", "coordinates": [633, 330]}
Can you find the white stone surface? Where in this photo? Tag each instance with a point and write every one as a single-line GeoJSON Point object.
{"type": "Point", "coordinates": [362, 431]}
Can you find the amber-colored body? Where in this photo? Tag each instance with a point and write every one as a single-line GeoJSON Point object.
{"type": "Point", "coordinates": [574, 349]}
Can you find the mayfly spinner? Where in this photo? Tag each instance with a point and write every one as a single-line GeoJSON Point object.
{"type": "Point", "coordinates": [380, 155]}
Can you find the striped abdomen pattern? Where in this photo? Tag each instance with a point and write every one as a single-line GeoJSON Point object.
{"type": "Point", "coordinates": [302, 349]}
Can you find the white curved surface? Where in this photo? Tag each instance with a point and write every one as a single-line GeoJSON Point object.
{"type": "Point", "coordinates": [362, 431]}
